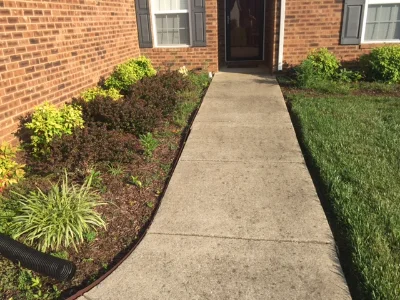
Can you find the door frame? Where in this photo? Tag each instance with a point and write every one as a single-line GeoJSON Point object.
{"type": "Point", "coordinates": [226, 35]}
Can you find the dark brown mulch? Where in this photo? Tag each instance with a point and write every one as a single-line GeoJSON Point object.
{"type": "Point", "coordinates": [128, 213]}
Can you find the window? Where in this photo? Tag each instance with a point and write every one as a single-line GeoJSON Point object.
{"type": "Point", "coordinates": [171, 22]}
{"type": "Point", "coordinates": [381, 21]}
{"type": "Point", "coordinates": [175, 23]}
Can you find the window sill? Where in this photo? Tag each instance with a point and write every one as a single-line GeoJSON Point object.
{"type": "Point", "coordinates": [371, 45]}
{"type": "Point", "coordinates": [173, 46]}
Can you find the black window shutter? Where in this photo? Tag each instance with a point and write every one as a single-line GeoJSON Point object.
{"type": "Point", "coordinates": [143, 22]}
{"type": "Point", "coordinates": [198, 11]}
{"type": "Point", "coordinates": [353, 16]}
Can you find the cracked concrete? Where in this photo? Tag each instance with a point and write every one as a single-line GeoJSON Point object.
{"type": "Point", "coordinates": [240, 218]}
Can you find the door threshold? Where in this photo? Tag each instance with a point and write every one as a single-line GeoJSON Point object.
{"type": "Point", "coordinates": [242, 64]}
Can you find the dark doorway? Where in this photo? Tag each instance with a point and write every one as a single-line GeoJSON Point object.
{"type": "Point", "coordinates": [244, 30]}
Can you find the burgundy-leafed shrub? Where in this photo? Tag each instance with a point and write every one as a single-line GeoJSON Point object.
{"type": "Point", "coordinates": [161, 91]}
{"type": "Point", "coordinates": [129, 115]}
{"type": "Point", "coordinates": [80, 151]}
{"type": "Point", "coordinates": [114, 114]}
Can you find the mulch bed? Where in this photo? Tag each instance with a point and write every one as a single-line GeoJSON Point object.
{"type": "Point", "coordinates": [129, 212]}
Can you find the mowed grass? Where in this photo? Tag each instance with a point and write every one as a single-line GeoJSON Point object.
{"type": "Point", "coordinates": [353, 144]}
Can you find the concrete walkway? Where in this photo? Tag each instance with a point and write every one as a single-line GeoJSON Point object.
{"type": "Point", "coordinates": [241, 218]}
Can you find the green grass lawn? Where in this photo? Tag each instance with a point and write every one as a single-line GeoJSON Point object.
{"type": "Point", "coordinates": [352, 143]}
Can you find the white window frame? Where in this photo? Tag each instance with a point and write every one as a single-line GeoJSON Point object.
{"type": "Point", "coordinates": [166, 12]}
{"type": "Point", "coordinates": [364, 23]}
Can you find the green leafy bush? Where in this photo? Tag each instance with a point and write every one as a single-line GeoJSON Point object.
{"type": "Point", "coordinates": [321, 69]}
{"type": "Point", "coordinates": [348, 76]}
{"type": "Point", "coordinates": [80, 151]}
{"type": "Point", "coordinates": [93, 93]}
{"type": "Point", "coordinates": [324, 62]}
{"type": "Point", "coordinates": [146, 66]}
{"type": "Point", "coordinates": [306, 75]}
{"type": "Point", "coordinates": [59, 218]}
{"type": "Point", "coordinates": [49, 122]}
{"type": "Point", "coordinates": [129, 73]}
{"type": "Point", "coordinates": [200, 80]}
{"type": "Point", "coordinates": [10, 171]}
{"type": "Point", "coordinates": [319, 65]}
{"type": "Point", "coordinates": [149, 144]}
{"type": "Point", "coordinates": [382, 64]}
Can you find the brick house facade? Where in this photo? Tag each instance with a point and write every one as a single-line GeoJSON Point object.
{"type": "Point", "coordinates": [52, 50]}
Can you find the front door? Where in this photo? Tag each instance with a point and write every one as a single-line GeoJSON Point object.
{"type": "Point", "coordinates": [244, 30]}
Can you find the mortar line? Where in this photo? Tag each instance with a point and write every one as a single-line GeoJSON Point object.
{"type": "Point", "coordinates": [246, 239]}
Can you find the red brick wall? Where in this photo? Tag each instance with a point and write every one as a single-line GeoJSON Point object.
{"type": "Point", "coordinates": [315, 24]}
{"type": "Point", "coordinates": [52, 50]}
{"type": "Point", "coordinates": [191, 57]}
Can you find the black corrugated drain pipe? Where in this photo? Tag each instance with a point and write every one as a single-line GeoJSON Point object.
{"type": "Point", "coordinates": [34, 260]}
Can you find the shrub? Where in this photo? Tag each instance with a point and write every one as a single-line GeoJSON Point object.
{"type": "Point", "coordinates": [49, 122]}
{"type": "Point", "coordinates": [149, 144]}
{"type": "Point", "coordinates": [147, 116]}
{"type": "Point", "coordinates": [199, 80]}
{"type": "Point", "coordinates": [161, 91]}
{"type": "Point", "coordinates": [305, 74]}
{"type": "Point", "coordinates": [59, 218]}
{"type": "Point", "coordinates": [93, 93]}
{"type": "Point", "coordinates": [150, 101]}
{"type": "Point", "coordinates": [324, 62]}
{"type": "Point", "coordinates": [80, 151]}
{"type": "Point", "coordinates": [319, 65]}
{"type": "Point", "coordinates": [382, 64]}
{"type": "Point", "coordinates": [321, 69]}
{"type": "Point", "coordinates": [146, 66]}
{"type": "Point", "coordinates": [344, 75]}
{"type": "Point", "coordinates": [129, 72]}
{"type": "Point", "coordinates": [129, 115]}
{"type": "Point", "coordinates": [116, 115]}
{"type": "Point", "coordinates": [10, 171]}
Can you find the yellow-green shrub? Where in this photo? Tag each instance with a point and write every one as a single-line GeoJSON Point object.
{"type": "Point", "coordinates": [49, 122]}
{"type": "Point", "coordinates": [92, 93]}
{"type": "Point", "coordinates": [10, 171]}
{"type": "Point", "coordinates": [382, 64]}
{"type": "Point", "coordinates": [130, 72]}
